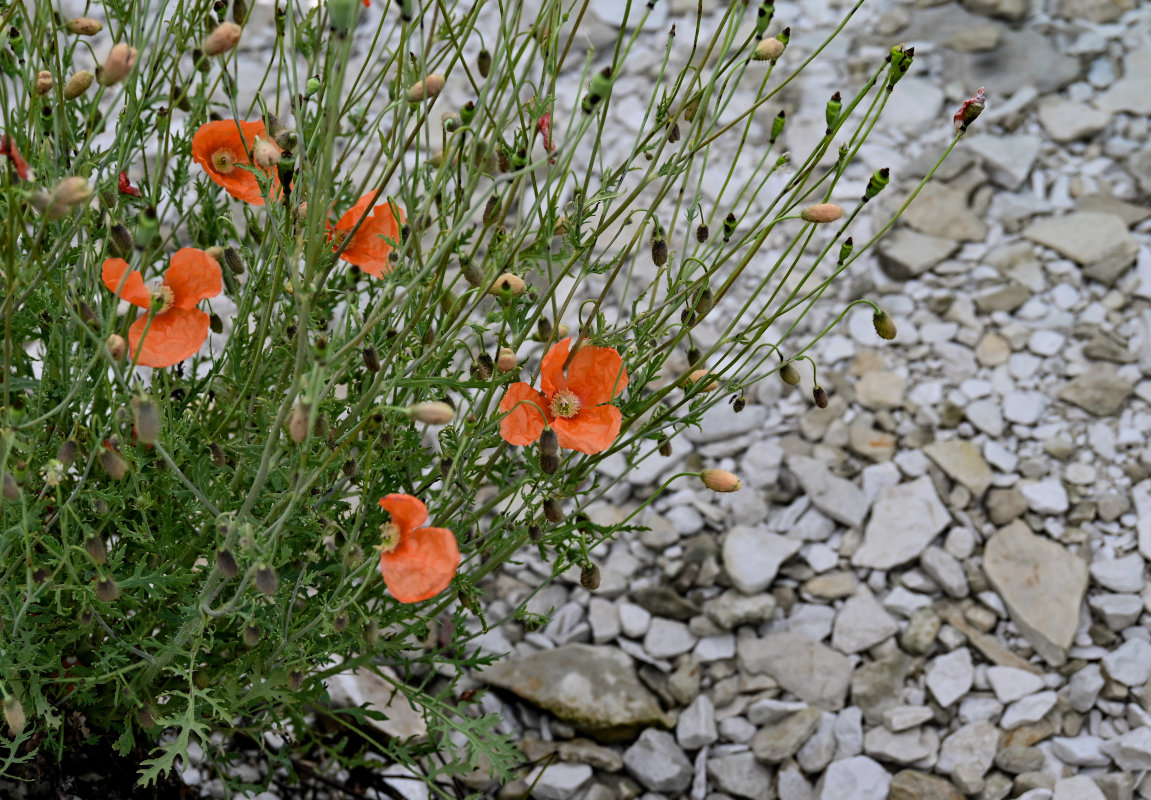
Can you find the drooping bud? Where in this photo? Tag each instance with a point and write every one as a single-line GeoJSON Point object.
{"type": "Point", "coordinates": [702, 232]}
{"type": "Point", "coordinates": [821, 213]}
{"type": "Point", "coordinates": [484, 63]}
{"type": "Point", "coordinates": [777, 126]}
{"type": "Point", "coordinates": [768, 50]}
{"type": "Point", "coordinates": [738, 403]}
{"type": "Point", "coordinates": [78, 84]}
{"type": "Point", "coordinates": [658, 248]}
{"type": "Point", "coordinates": [251, 634]}
{"type": "Point", "coordinates": [543, 329]}
{"type": "Point", "coordinates": [113, 464]}
{"type": "Point", "coordinates": [884, 324]}
{"type": "Point", "coordinates": [117, 66]}
{"type": "Point", "coordinates": [665, 447]}
{"type": "Point", "coordinates": [720, 480]}
{"type": "Point", "coordinates": [14, 715]}
{"type": "Point", "coordinates": [589, 577]}
{"type": "Point", "coordinates": [106, 589]}
{"type": "Point", "coordinates": [468, 113]}
{"type": "Point", "coordinates": [147, 420]}
{"type": "Point", "coordinates": [83, 26]}
{"type": "Point", "coordinates": [426, 89]}
{"type": "Point", "coordinates": [819, 394]}
{"type": "Point", "coordinates": [44, 82]}
{"type": "Point", "coordinates": [371, 360]}
{"type": "Point", "coordinates": [508, 285]}
{"type": "Point", "coordinates": [225, 36]}
{"type": "Point", "coordinates": [553, 511]}
{"type": "Point", "coordinates": [226, 563]}
{"type": "Point", "coordinates": [120, 241]}
{"type": "Point", "coordinates": [69, 194]}
{"type": "Point", "coordinates": [66, 455]}
{"type": "Point", "coordinates": [94, 545]}
{"type": "Point", "coordinates": [433, 413]}
{"type": "Point", "coordinates": [340, 621]}
{"type": "Point", "coordinates": [789, 374]}
{"type": "Point", "coordinates": [116, 345]}
{"type": "Point", "coordinates": [729, 223]}
{"type": "Point", "coordinates": [265, 153]}
{"type": "Point", "coordinates": [673, 133]}
{"type": "Point", "coordinates": [11, 487]}
{"type": "Point", "coordinates": [266, 579]}
{"type": "Point", "coordinates": [701, 376]}
{"type": "Point", "coordinates": [233, 261]}
{"type": "Point", "coordinates": [298, 422]}
{"type": "Point", "coordinates": [506, 361]}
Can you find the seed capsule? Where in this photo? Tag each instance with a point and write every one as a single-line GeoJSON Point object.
{"type": "Point", "coordinates": [789, 374]}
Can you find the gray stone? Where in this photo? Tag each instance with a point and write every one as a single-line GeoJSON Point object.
{"type": "Point", "coordinates": [1132, 750]}
{"type": "Point", "coordinates": [975, 743]}
{"type": "Point", "coordinates": [950, 676]}
{"type": "Point", "coordinates": [1079, 787]}
{"type": "Point", "coordinates": [876, 685]}
{"type": "Point", "coordinates": [1008, 159]}
{"type": "Point", "coordinates": [922, 628]}
{"type": "Point", "coordinates": [906, 747]}
{"type": "Point", "coordinates": [1123, 574]}
{"type": "Point", "coordinates": [910, 784]}
{"type": "Point", "coordinates": [1130, 663]}
{"type": "Point", "coordinates": [1028, 710]}
{"type": "Point", "coordinates": [558, 781]}
{"type": "Point", "coordinates": [1099, 390]}
{"type": "Point", "coordinates": [906, 254]}
{"type": "Point", "coordinates": [941, 211]}
{"type": "Point", "coordinates": [819, 749]}
{"type": "Point", "coordinates": [732, 609]}
{"type": "Point", "coordinates": [1100, 11]}
{"type": "Point", "coordinates": [1118, 611]}
{"type": "Point", "coordinates": [604, 620]}
{"type": "Point", "coordinates": [1042, 586]}
{"type": "Point", "coordinates": [858, 778]}
{"type": "Point", "coordinates": [740, 775]}
{"type": "Point", "coordinates": [595, 689]}
{"type": "Point", "coordinates": [657, 762]}
{"type": "Point", "coordinates": [833, 496]}
{"type": "Point", "coordinates": [666, 638]}
{"type": "Point", "coordinates": [811, 671]}
{"type": "Point", "coordinates": [880, 389]}
{"type": "Point", "coordinates": [695, 727]}
{"type": "Point", "coordinates": [719, 424]}
{"type": "Point", "coordinates": [1084, 687]}
{"type": "Point", "coordinates": [904, 520]}
{"type": "Point", "coordinates": [1026, 61]}
{"type": "Point", "coordinates": [782, 739]}
{"type": "Point", "coordinates": [962, 462]}
{"type": "Point", "coordinates": [1100, 243]}
{"type": "Point", "coordinates": [1132, 92]}
{"type": "Point", "coordinates": [1017, 759]}
{"type": "Point", "coordinates": [1068, 122]}
{"type": "Point", "coordinates": [1080, 751]}
{"type": "Point", "coordinates": [1010, 10]}
{"type": "Point", "coordinates": [1011, 684]}
{"type": "Point", "coordinates": [901, 718]}
{"type": "Point", "coordinates": [945, 571]}
{"type": "Point", "coordinates": [1046, 496]}
{"type": "Point", "coordinates": [861, 623]}
{"type": "Point", "coordinates": [753, 556]}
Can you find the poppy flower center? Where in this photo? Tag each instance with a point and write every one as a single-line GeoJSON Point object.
{"type": "Point", "coordinates": [223, 160]}
{"type": "Point", "coordinates": [163, 296]}
{"type": "Point", "coordinates": [389, 537]}
{"type": "Point", "coordinates": [565, 404]}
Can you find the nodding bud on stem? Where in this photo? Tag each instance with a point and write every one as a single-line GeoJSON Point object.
{"type": "Point", "coordinates": [484, 63]}
{"type": "Point", "coordinates": [69, 194]}
{"type": "Point", "coordinates": [789, 374]}
{"type": "Point", "coordinates": [78, 84]}
{"type": "Point", "coordinates": [225, 36]}
{"type": "Point", "coordinates": [14, 715]}
{"type": "Point", "coordinates": [226, 563]}
{"type": "Point", "coordinates": [720, 480]}
{"type": "Point", "coordinates": [106, 589]}
{"type": "Point", "coordinates": [658, 247]}
{"type": "Point", "coordinates": [116, 67]}
{"type": "Point", "coordinates": [113, 464]}
{"type": "Point", "coordinates": [94, 545]}
{"type": "Point", "coordinates": [67, 452]}
{"type": "Point", "coordinates": [427, 89]}
{"type": "Point", "coordinates": [665, 447]}
{"type": "Point", "coordinates": [900, 59]}
{"type": "Point", "coordinates": [506, 361]}
{"type": "Point", "coordinates": [266, 580]}
{"type": "Point", "coordinates": [371, 360]}
{"type": "Point", "coordinates": [117, 347]}
{"type": "Point", "coordinates": [265, 153]}
{"type": "Point", "coordinates": [508, 284]}
{"type": "Point", "coordinates": [251, 635]}
{"type": "Point", "coordinates": [702, 232]}
{"type": "Point", "coordinates": [433, 413]}
{"type": "Point", "coordinates": [146, 419]}
{"type": "Point", "coordinates": [729, 223]}
{"type": "Point", "coordinates": [233, 261]}
{"type": "Point", "coordinates": [884, 324]}
{"type": "Point", "coordinates": [298, 422]}
{"type": "Point", "coordinates": [120, 241]}
{"type": "Point", "coordinates": [701, 376]}
{"type": "Point", "coordinates": [553, 511]}
{"type": "Point", "coordinates": [44, 82]}
{"type": "Point", "coordinates": [821, 213]}
{"type": "Point", "coordinates": [820, 396]}
{"type": "Point", "coordinates": [83, 26]}
{"type": "Point", "coordinates": [589, 577]}
{"type": "Point", "coordinates": [768, 50]}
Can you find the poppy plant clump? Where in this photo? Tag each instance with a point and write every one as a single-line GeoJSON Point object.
{"type": "Point", "coordinates": [573, 404]}
{"type": "Point", "coordinates": [417, 563]}
{"type": "Point", "coordinates": [178, 329]}
{"type": "Point", "coordinates": [222, 149]}
{"type": "Point", "coordinates": [371, 244]}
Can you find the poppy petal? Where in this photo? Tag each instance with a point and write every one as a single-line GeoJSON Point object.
{"type": "Point", "coordinates": [523, 422]}
{"type": "Point", "coordinates": [193, 276]}
{"type": "Point", "coordinates": [369, 249]}
{"type": "Point", "coordinates": [422, 565]}
{"type": "Point", "coordinates": [592, 430]}
{"type": "Point", "coordinates": [408, 512]}
{"type": "Point", "coordinates": [596, 375]}
{"type": "Point", "coordinates": [133, 290]}
{"type": "Point", "coordinates": [237, 137]}
{"type": "Point", "coordinates": [174, 336]}
{"type": "Point", "coordinates": [552, 367]}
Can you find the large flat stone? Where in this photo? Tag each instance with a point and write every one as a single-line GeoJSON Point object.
{"type": "Point", "coordinates": [904, 520]}
{"type": "Point", "coordinates": [1042, 585]}
{"type": "Point", "coordinates": [809, 670]}
{"type": "Point", "coordinates": [1100, 243]}
{"type": "Point", "coordinates": [833, 496]}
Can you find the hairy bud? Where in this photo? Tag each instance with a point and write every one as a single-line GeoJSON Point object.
{"type": "Point", "coordinates": [428, 88]}
{"type": "Point", "coordinates": [884, 324]}
{"type": "Point", "coordinates": [589, 577]}
{"type": "Point", "coordinates": [78, 84]}
{"type": "Point", "coordinates": [94, 545]}
{"type": "Point", "coordinates": [147, 420]}
{"type": "Point", "coordinates": [226, 563]}
{"type": "Point", "coordinates": [433, 413]}
{"type": "Point", "coordinates": [83, 26]}
{"type": "Point", "coordinates": [106, 589]}
{"type": "Point", "coordinates": [225, 36]}
{"type": "Point", "coordinates": [820, 396]}
{"type": "Point", "coordinates": [821, 213]}
{"type": "Point", "coordinates": [553, 512]}
{"type": "Point", "coordinates": [789, 374]}
{"type": "Point", "coordinates": [118, 65]}
{"type": "Point", "coordinates": [266, 579]}
{"type": "Point", "coordinates": [44, 82]}
{"type": "Point", "coordinates": [14, 715]}
{"type": "Point", "coordinates": [720, 480]}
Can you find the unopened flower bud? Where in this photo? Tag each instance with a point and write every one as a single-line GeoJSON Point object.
{"type": "Point", "coordinates": [700, 375]}
{"type": "Point", "coordinates": [11, 487]}
{"type": "Point", "coordinates": [879, 179]}
{"type": "Point", "coordinates": [67, 452]}
{"type": "Point", "coordinates": [665, 448]}
{"type": "Point", "coordinates": [69, 194]}
{"type": "Point", "coordinates": [118, 65]}
{"type": "Point", "coordinates": [106, 589]}
{"type": "Point", "coordinates": [777, 126]}
{"type": "Point", "coordinates": [371, 359]}
{"type": "Point", "coordinates": [94, 545]}
{"type": "Point", "coordinates": [78, 84]}
{"type": "Point", "coordinates": [113, 464]}
{"type": "Point", "coordinates": [553, 512]}
{"type": "Point", "coordinates": [146, 716]}
{"type": "Point", "coordinates": [729, 223]}
{"type": "Point", "coordinates": [433, 413]}
{"type": "Point", "coordinates": [720, 480]}
{"type": "Point", "coordinates": [266, 580]}
{"type": "Point", "coordinates": [233, 261]}
{"type": "Point", "coordinates": [789, 374]}
{"type": "Point", "coordinates": [484, 63]}
{"type": "Point", "coordinates": [768, 50]}
{"type": "Point", "coordinates": [251, 634]}
{"type": "Point", "coordinates": [340, 621]}
{"type": "Point", "coordinates": [884, 324]}
{"type": "Point", "coordinates": [117, 347]}
{"type": "Point", "coordinates": [691, 109]}
{"type": "Point", "coordinates": [535, 533]}
{"type": "Point", "coordinates": [14, 715]}
{"type": "Point", "coordinates": [147, 420]}
{"type": "Point", "coordinates": [508, 284]}
{"type": "Point", "coordinates": [298, 422]}
{"type": "Point", "coordinates": [659, 249]}
{"type": "Point", "coordinates": [225, 36]}
{"type": "Point", "coordinates": [543, 329]}
{"type": "Point", "coordinates": [821, 213]}
{"type": "Point", "coordinates": [702, 232]}
{"type": "Point", "coordinates": [44, 82]}
{"type": "Point", "coordinates": [820, 396]}
{"type": "Point", "coordinates": [831, 113]}
{"type": "Point", "coordinates": [120, 241]}
{"type": "Point", "coordinates": [506, 361]}
{"type": "Point", "coordinates": [226, 563]}
{"type": "Point", "coordinates": [428, 88]}
{"type": "Point", "coordinates": [265, 153]}
{"type": "Point", "coordinates": [83, 26]}
{"type": "Point", "coordinates": [589, 577]}
{"type": "Point", "coordinates": [970, 110]}
{"type": "Point", "coordinates": [312, 86]}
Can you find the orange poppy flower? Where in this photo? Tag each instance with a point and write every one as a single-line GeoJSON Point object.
{"type": "Point", "coordinates": [573, 405]}
{"type": "Point", "coordinates": [368, 250]}
{"type": "Point", "coordinates": [416, 563]}
{"type": "Point", "coordinates": [178, 328]}
{"type": "Point", "coordinates": [220, 149]}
